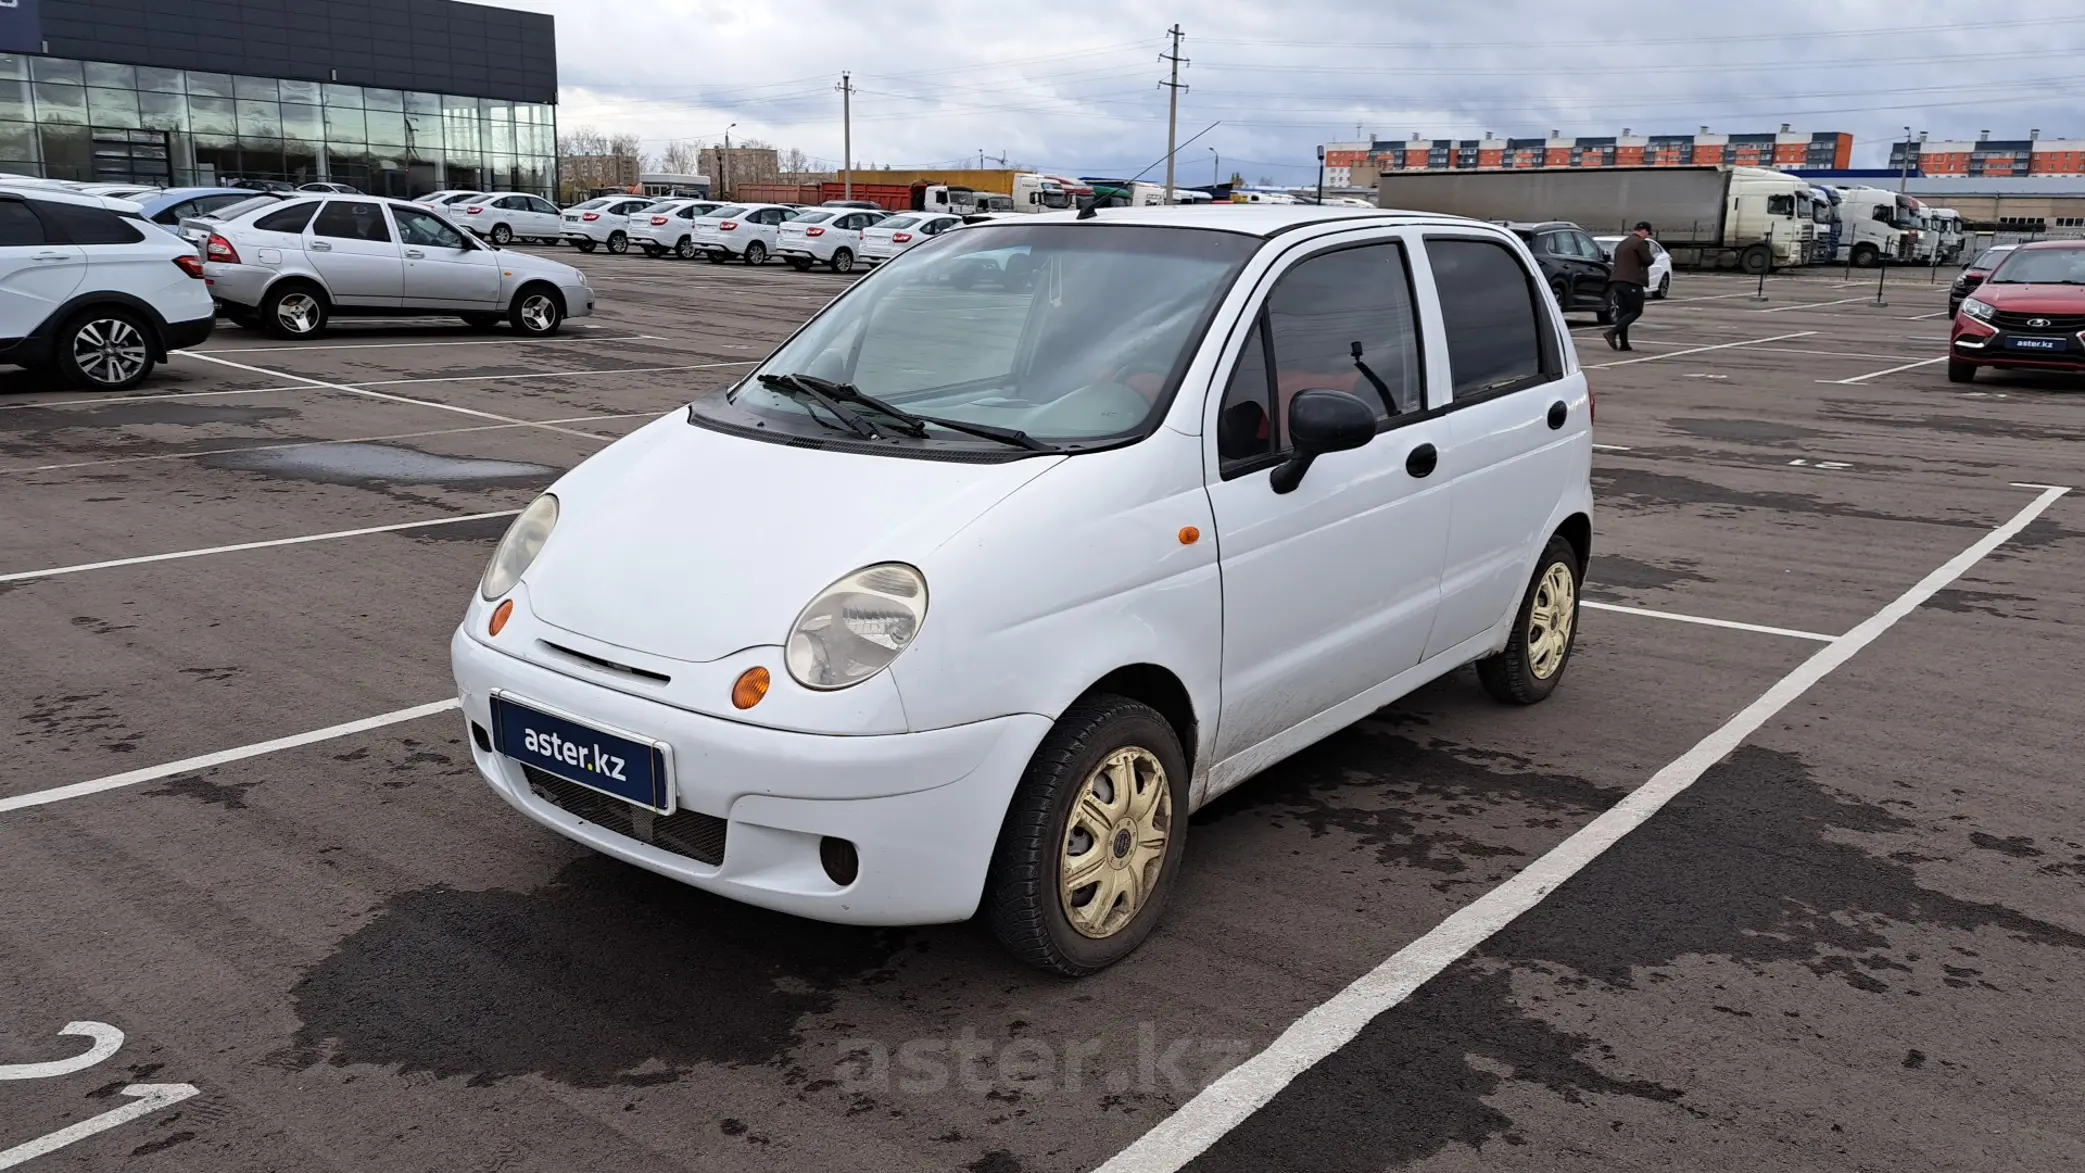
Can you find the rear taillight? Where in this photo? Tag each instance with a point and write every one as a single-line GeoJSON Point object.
{"type": "Point", "coordinates": [590, 217]}
{"type": "Point", "coordinates": [900, 237]}
{"type": "Point", "coordinates": [190, 264]}
{"type": "Point", "coordinates": [658, 221]}
{"type": "Point", "coordinates": [728, 226]}
{"type": "Point", "coordinates": [472, 211]}
{"type": "Point", "coordinates": [814, 232]}
{"type": "Point", "coordinates": [220, 249]}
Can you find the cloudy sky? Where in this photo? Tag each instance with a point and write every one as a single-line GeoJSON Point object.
{"type": "Point", "coordinates": [1072, 88]}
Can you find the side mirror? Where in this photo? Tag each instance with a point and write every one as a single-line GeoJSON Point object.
{"type": "Point", "coordinates": [1320, 421]}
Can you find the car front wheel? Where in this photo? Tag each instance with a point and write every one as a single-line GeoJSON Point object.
{"type": "Point", "coordinates": [1093, 839]}
{"type": "Point", "coordinates": [1960, 372]}
{"type": "Point", "coordinates": [537, 313]}
{"type": "Point", "coordinates": [105, 350]}
{"type": "Point", "coordinates": [1544, 631]}
{"type": "Point", "coordinates": [502, 235]}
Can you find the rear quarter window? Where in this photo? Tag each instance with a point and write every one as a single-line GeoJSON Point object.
{"type": "Point", "coordinates": [290, 219]}
{"type": "Point", "coordinates": [1496, 322]}
{"type": "Point", "coordinates": [84, 225]}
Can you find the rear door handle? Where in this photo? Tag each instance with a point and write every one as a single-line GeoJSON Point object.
{"type": "Point", "coordinates": [320, 246]}
{"type": "Point", "coordinates": [1422, 460]}
{"type": "Point", "coordinates": [53, 257]}
{"type": "Point", "coordinates": [1557, 414]}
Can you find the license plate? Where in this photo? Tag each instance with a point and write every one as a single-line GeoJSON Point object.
{"type": "Point", "coordinates": [2035, 343]}
{"type": "Point", "coordinates": [628, 768]}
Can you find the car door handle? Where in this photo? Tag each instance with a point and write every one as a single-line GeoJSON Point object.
{"type": "Point", "coordinates": [320, 246]}
{"type": "Point", "coordinates": [417, 255]}
{"type": "Point", "coordinates": [53, 256]}
{"type": "Point", "coordinates": [1557, 414]}
{"type": "Point", "coordinates": [1422, 460]}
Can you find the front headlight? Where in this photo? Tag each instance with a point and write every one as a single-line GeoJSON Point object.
{"type": "Point", "coordinates": [857, 626]}
{"type": "Point", "coordinates": [1982, 311]}
{"type": "Point", "coordinates": [523, 541]}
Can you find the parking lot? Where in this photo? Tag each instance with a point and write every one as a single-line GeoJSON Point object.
{"type": "Point", "coordinates": [239, 825]}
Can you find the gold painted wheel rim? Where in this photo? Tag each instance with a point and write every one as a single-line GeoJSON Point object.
{"type": "Point", "coordinates": [1115, 843]}
{"type": "Point", "coordinates": [1550, 620]}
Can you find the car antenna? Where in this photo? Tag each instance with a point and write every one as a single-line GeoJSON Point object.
{"type": "Point", "coordinates": [1090, 208]}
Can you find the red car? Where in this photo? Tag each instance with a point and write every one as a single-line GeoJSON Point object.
{"type": "Point", "coordinates": [2029, 314]}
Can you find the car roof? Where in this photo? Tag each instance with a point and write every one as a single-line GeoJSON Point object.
{"type": "Point", "coordinates": [1264, 220]}
{"type": "Point", "coordinates": [2051, 245]}
{"type": "Point", "coordinates": [62, 195]}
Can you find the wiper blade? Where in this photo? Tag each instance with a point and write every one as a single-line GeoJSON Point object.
{"type": "Point", "coordinates": [1014, 436]}
{"type": "Point", "coordinates": [847, 416]}
{"type": "Point", "coordinates": [849, 393]}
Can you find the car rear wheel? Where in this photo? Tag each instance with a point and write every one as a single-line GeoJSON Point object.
{"type": "Point", "coordinates": [1092, 840]}
{"type": "Point", "coordinates": [1544, 631]}
{"type": "Point", "coordinates": [105, 349]}
{"type": "Point", "coordinates": [685, 250]}
{"type": "Point", "coordinates": [756, 253]}
{"type": "Point", "coordinates": [1664, 287]}
{"type": "Point", "coordinates": [294, 311]}
{"type": "Point", "coordinates": [502, 235]}
{"type": "Point", "coordinates": [617, 244]}
{"type": "Point", "coordinates": [537, 312]}
{"type": "Point", "coordinates": [843, 260]}
{"type": "Point", "coordinates": [1960, 372]}
{"type": "Point", "coordinates": [586, 246]}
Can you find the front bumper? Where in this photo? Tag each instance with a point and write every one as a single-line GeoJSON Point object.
{"type": "Point", "coordinates": [1995, 350]}
{"type": "Point", "coordinates": [923, 810]}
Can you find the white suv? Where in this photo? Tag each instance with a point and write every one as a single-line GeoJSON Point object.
{"type": "Point", "coordinates": [1317, 459]}
{"type": "Point", "coordinates": [88, 287]}
{"type": "Point", "coordinates": [504, 215]}
{"type": "Point", "coordinates": [604, 221]}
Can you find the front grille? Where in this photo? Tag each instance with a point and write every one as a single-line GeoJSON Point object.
{"type": "Point", "coordinates": [2063, 323]}
{"type": "Point", "coordinates": [698, 836]}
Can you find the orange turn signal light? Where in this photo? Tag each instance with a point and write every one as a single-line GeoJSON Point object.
{"type": "Point", "coordinates": [1189, 535]}
{"type": "Point", "coordinates": [751, 688]}
{"type": "Point", "coordinates": [500, 615]}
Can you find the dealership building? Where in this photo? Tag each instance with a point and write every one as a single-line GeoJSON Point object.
{"type": "Point", "coordinates": [398, 97]}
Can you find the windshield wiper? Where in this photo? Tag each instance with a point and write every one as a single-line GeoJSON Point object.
{"type": "Point", "coordinates": [798, 384]}
{"type": "Point", "coordinates": [849, 393]}
{"type": "Point", "coordinates": [1014, 436]}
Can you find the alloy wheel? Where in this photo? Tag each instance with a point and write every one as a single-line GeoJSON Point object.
{"type": "Point", "coordinates": [538, 313]}
{"type": "Point", "coordinates": [110, 350]}
{"type": "Point", "coordinates": [298, 313]}
{"type": "Point", "coordinates": [1115, 842]}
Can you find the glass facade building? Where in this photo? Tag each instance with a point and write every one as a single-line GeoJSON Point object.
{"type": "Point", "coordinates": [102, 121]}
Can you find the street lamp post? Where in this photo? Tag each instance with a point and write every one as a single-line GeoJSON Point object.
{"type": "Point", "coordinates": [1215, 164]}
{"type": "Point", "coordinates": [724, 164]}
{"type": "Point", "coordinates": [1321, 175]}
{"type": "Point", "coordinates": [1904, 172]}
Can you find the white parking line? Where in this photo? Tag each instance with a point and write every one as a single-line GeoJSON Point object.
{"type": "Point", "coordinates": [410, 345]}
{"type": "Point", "coordinates": [1859, 379]}
{"type": "Point", "coordinates": [1233, 1098]}
{"type": "Point", "coordinates": [1712, 297]}
{"type": "Point", "coordinates": [1705, 621]}
{"type": "Point", "coordinates": [206, 761]}
{"type": "Point", "coordinates": [1810, 305]}
{"type": "Point", "coordinates": [1699, 350]}
{"type": "Point", "coordinates": [147, 1098]}
{"type": "Point", "coordinates": [701, 366]}
{"type": "Point", "coordinates": [55, 571]}
{"type": "Point", "coordinates": [577, 419]}
{"type": "Point", "coordinates": [471, 411]}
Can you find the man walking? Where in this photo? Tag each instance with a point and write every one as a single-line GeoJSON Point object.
{"type": "Point", "coordinates": [1632, 273]}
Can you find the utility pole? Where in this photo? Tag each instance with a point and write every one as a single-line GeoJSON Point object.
{"type": "Point", "coordinates": [724, 166]}
{"type": "Point", "coordinates": [1172, 105]}
{"type": "Point", "coordinates": [846, 88]}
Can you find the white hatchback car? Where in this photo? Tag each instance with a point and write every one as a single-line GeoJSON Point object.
{"type": "Point", "coordinates": [746, 232]}
{"type": "Point", "coordinates": [1102, 558]}
{"type": "Point", "coordinates": [825, 236]}
{"type": "Point", "coordinates": [888, 238]}
{"type": "Point", "coordinates": [669, 226]}
{"type": "Point", "coordinates": [503, 215]}
{"type": "Point", "coordinates": [603, 222]}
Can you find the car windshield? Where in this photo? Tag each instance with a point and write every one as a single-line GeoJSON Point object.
{"type": "Point", "coordinates": [1069, 334]}
{"type": "Point", "coordinates": [898, 222]}
{"type": "Point", "coordinates": [2042, 266]}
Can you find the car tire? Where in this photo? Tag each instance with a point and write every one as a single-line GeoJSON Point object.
{"type": "Point", "coordinates": [537, 312]}
{"type": "Point", "coordinates": [685, 250]}
{"type": "Point", "coordinates": [1610, 307]}
{"type": "Point", "coordinates": [586, 246]}
{"type": "Point", "coordinates": [756, 253]}
{"type": "Point", "coordinates": [1960, 372]}
{"type": "Point", "coordinates": [1664, 287]}
{"type": "Point", "coordinates": [294, 310]}
{"type": "Point", "coordinates": [1535, 657]}
{"type": "Point", "coordinates": [843, 261]}
{"type": "Point", "coordinates": [618, 243]}
{"type": "Point", "coordinates": [653, 251]}
{"type": "Point", "coordinates": [1104, 745]}
{"type": "Point", "coordinates": [244, 319]}
{"type": "Point", "coordinates": [1866, 256]}
{"type": "Point", "coordinates": [482, 321]}
{"type": "Point", "coordinates": [717, 258]}
{"type": "Point", "coordinates": [800, 264]}
{"type": "Point", "coordinates": [105, 348]}
{"type": "Point", "coordinates": [1562, 292]}
{"type": "Point", "coordinates": [502, 235]}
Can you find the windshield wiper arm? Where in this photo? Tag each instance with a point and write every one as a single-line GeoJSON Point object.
{"type": "Point", "coordinates": [1014, 436]}
{"type": "Point", "coordinates": [854, 422]}
{"type": "Point", "coordinates": [849, 393]}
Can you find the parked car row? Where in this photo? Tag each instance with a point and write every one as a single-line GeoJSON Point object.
{"type": "Point", "coordinates": [839, 235]}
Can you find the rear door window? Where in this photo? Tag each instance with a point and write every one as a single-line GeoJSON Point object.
{"type": "Point", "coordinates": [427, 229]}
{"type": "Point", "coordinates": [352, 220]}
{"type": "Point", "coordinates": [1497, 327]}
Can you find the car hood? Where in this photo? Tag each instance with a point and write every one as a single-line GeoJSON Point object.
{"type": "Point", "coordinates": [691, 544]}
{"type": "Point", "coordinates": [2022, 299]}
{"type": "Point", "coordinates": [522, 264]}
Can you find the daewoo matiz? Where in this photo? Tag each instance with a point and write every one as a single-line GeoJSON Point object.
{"type": "Point", "coordinates": [967, 597]}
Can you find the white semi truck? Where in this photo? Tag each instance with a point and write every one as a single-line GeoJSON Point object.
{"type": "Point", "coordinates": [1750, 218]}
{"type": "Point", "coordinates": [1875, 224]}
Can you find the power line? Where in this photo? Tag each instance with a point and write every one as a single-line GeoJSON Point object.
{"type": "Point", "coordinates": [1716, 39]}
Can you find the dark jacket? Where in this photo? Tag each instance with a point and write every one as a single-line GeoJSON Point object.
{"type": "Point", "coordinates": [1632, 261]}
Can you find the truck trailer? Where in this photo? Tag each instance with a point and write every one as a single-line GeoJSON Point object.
{"type": "Point", "coordinates": [1751, 218]}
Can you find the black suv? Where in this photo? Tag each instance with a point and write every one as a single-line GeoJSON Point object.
{"type": "Point", "coordinates": [1573, 263]}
